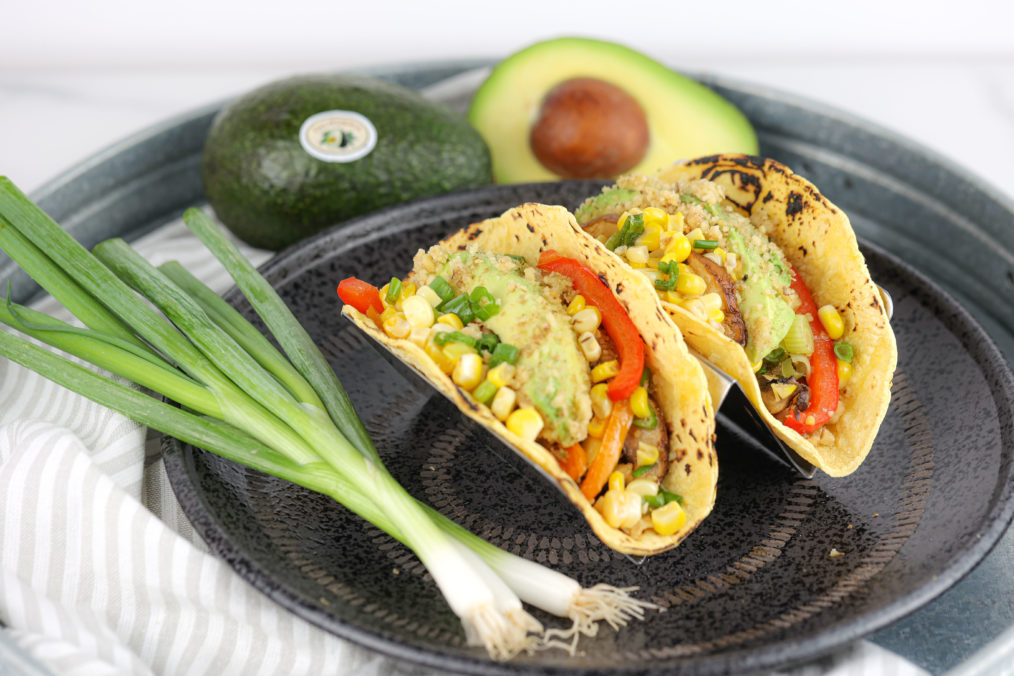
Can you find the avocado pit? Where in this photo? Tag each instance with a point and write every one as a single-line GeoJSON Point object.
{"type": "Point", "coordinates": [589, 128]}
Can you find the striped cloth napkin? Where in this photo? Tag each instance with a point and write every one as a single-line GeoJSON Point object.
{"type": "Point", "coordinates": [101, 573]}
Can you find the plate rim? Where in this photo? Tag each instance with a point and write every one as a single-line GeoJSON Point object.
{"type": "Point", "coordinates": [959, 564]}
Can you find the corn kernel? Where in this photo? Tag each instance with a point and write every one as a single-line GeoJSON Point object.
{"type": "Point", "coordinates": [389, 311]}
{"type": "Point", "coordinates": [647, 454]}
{"type": "Point", "coordinates": [637, 256]}
{"type": "Point", "coordinates": [418, 335]}
{"type": "Point", "coordinates": [722, 254]}
{"type": "Point", "coordinates": [383, 296]}
{"type": "Point", "coordinates": [639, 403]}
{"type": "Point", "coordinates": [429, 295]}
{"type": "Point", "coordinates": [576, 305]}
{"type": "Point", "coordinates": [451, 320]}
{"type": "Point", "coordinates": [596, 427]}
{"type": "Point", "coordinates": [418, 312]}
{"type": "Point", "coordinates": [502, 374]}
{"type": "Point", "coordinates": [503, 403]}
{"type": "Point", "coordinates": [436, 353]}
{"type": "Point", "coordinates": [668, 518]}
{"type": "Point", "coordinates": [617, 482]}
{"type": "Point", "coordinates": [832, 321]}
{"type": "Point", "coordinates": [844, 373]}
{"type": "Point", "coordinates": [467, 372]}
{"type": "Point", "coordinates": [783, 390]}
{"type": "Point", "coordinates": [756, 366]}
{"type": "Point", "coordinates": [590, 346]}
{"type": "Point", "coordinates": [651, 238]}
{"type": "Point", "coordinates": [678, 249]}
{"type": "Point", "coordinates": [695, 234]}
{"type": "Point", "coordinates": [525, 422]}
{"type": "Point", "coordinates": [397, 326]}
{"type": "Point", "coordinates": [676, 222]}
{"type": "Point", "coordinates": [691, 284]}
{"type": "Point", "coordinates": [672, 297]}
{"type": "Point", "coordinates": [655, 217]}
{"type": "Point", "coordinates": [587, 319]}
{"type": "Point", "coordinates": [643, 486]}
{"type": "Point", "coordinates": [710, 301]}
{"type": "Point", "coordinates": [620, 509]}
{"type": "Point", "coordinates": [602, 405]}
{"type": "Point", "coordinates": [605, 371]}
{"type": "Point", "coordinates": [716, 316]}
{"type": "Point", "coordinates": [455, 350]}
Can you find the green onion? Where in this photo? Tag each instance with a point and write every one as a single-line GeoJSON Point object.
{"type": "Point", "coordinates": [799, 338]}
{"type": "Point", "coordinates": [244, 401]}
{"type": "Point", "coordinates": [442, 288]}
{"type": "Point", "coordinates": [775, 355]}
{"type": "Point", "coordinates": [483, 303]}
{"type": "Point", "coordinates": [393, 290]}
{"type": "Point", "coordinates": [444, 337]}
{"type": "Point", "coordinates": [503, 352]}
{"type": "Point", "coordinates": [705, 243]}
{"type": "Point", "coordinates": [484, 392]}
{"type": "Point", "coordinates": [844, 351]}
{"type": "Point", "coordinates": [460, 306]}
{"type": "Point", "coordinates": [649, 423]}
{"type": "Point", "coordinates": [642, 470]}
{"type": "Point", "coordinates": [487, 343]}
{"type": "Point", "coordinates": [670, 268]}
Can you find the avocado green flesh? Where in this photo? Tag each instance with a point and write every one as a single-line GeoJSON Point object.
{"type": "Point", "coordinates": [270, 192]}
{"type": "Point", "coordinates": [685, 118]}
{"type": "Point", "coordinates": [603, 203]}
{"type": "Point", "coordinates": [558, 380]}
{"type": "Point", "coordinates": [768, 317]}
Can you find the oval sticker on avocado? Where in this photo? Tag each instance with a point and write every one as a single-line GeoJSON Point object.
{"type": "Point", "coordinates": [338, 136]}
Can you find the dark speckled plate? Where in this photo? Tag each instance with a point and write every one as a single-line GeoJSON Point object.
{"type": "Point", "coordinates": [755, 587]}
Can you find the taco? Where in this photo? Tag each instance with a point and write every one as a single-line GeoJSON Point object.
{"type": "Point", "coordinates": [765, 279]}
{"type": "Point", "coordinates": [535, 331]}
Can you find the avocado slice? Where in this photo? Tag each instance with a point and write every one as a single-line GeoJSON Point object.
{"type": "Point", "coordinates": [552, 369]}
{"type": "Point", "coordinates": [274, 176]}
{"type": "Point", "coordinates": [767, 315]}
{"type": "Point", "coordinates": [603, 203]}
{"type": "Point", "coordinates": [683, 117]}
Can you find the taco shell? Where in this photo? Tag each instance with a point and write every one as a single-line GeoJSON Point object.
{"type": "Point", "coordinates": [817, 239]}
{"type": "Point", "coordinates": [678, 380]}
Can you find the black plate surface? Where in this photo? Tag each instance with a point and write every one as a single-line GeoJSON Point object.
{"type": "Point", "coordinates": [755, 587]}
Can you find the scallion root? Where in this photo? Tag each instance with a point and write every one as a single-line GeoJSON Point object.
{"type": "Point", "coordinates": [503, 635]}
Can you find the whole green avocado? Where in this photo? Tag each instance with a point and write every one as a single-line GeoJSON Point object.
{"type": "Point", "coordinates": [269, 190]}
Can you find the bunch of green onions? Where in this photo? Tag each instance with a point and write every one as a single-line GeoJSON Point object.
{"type": "Point", "coordinates": [162, 329]}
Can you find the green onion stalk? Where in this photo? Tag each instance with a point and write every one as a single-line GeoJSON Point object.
{"type": "Point", "coordinates": [240, 398]}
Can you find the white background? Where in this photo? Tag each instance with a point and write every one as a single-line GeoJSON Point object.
{"type": "Point", "coordinates": [77, 76]}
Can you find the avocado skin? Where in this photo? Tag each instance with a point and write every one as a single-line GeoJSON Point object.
{"type": "Point", "coordinates": [271, 193]}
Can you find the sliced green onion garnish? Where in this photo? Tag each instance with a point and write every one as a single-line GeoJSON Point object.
{"type": "Point", "coordinates": [460, 306]}
{"type": "Point", "coordinates": [614, 240]}
{"type": "Point", "coordinates": [393, 290]}
{"type": "Point", "coordinates": [444, 337]}
{"type": "Point", "coordinates": [484, 392]}
{"type": "Point", "coordinates": [654, 501]}
{"type": "Point", "coordinates": [483, 303]}
{"type": "Point", "coordinates": [648, 423]}
{"type": "Point", "coordinates": [443, 288]}
{"type": "Point", "coordinates": [705, 243]}
{"type": "Point", "coordinates": [670, 497]}
{"type": "Point", "coordinates": [642, 470]}
{"type": "Point", "coordinates": [633, 228]}
{"type": "Point", "coordinates": [844, 351]}
{"type": "Point", "coordinates": [686, 197]}
{"type": "Point", "coordinates": [503, 352]}
{"type": "Point", "coordinates": [487, 342]}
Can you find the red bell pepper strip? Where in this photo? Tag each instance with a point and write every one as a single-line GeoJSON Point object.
{"type": "Point", "coordinates": [360, 295]}
{"type": "Point", "coordinates": [823, 378]}
{"type": "Point", "coordinates": [608, 455]}
{"type": "Point", "coordinates": [615, 320]}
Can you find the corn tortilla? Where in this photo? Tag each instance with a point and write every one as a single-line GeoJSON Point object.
{"type": "Point", "coordinates": [679, 384]}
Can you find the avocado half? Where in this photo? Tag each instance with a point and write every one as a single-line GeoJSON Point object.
{"type": "Point", "coordinates": [683, 117]}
